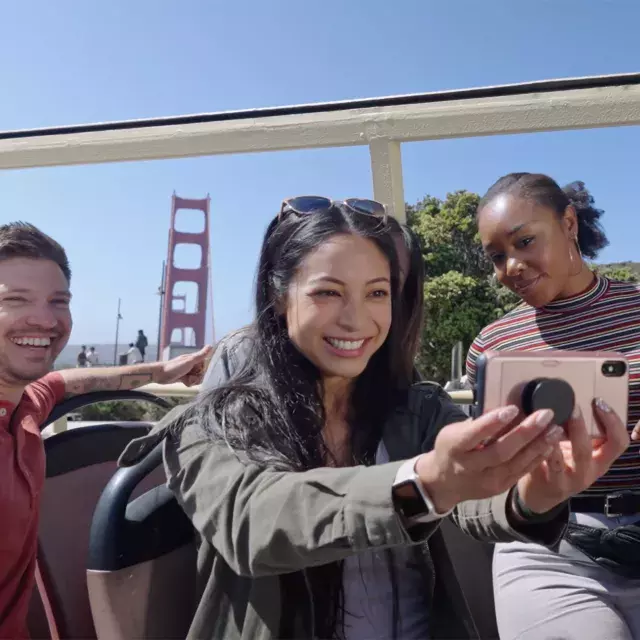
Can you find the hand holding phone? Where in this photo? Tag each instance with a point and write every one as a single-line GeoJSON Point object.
{"type": "Point", "coordinates": [575, 463]}
{"type": "Point", "coordinates": [556, 380]}
{"type": "Point", "coordinates": [458, 469]}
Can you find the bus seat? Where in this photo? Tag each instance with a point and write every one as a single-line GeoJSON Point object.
{"type": "Point", "coordinates": [141, 573]}
{"type": "Point", "coordinates": [472, 562]}
{"type": "Point", "coordinates": [141, 570]}
{"type": "Point", "coordinates": [79, 464]}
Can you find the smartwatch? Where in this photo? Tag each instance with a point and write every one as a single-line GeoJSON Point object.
{"type": "Point", "coordinates": [411, 500]}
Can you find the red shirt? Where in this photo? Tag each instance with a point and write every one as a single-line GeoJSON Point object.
{"type": "Point", "coordinates": [22, 474]}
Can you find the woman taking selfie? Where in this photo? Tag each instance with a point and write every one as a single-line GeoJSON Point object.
{"type": "Point", "coordinates": [313, 477]}
{"type": "Point", "coordinates": [536, 234]}
{"type": "Point", "coordinates": [232, 351]}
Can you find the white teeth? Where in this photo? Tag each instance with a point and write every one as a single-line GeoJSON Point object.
{"type": "Point", "coordinates": [345, 345]}
{"type": "Point", "coordinates": [32, 342]}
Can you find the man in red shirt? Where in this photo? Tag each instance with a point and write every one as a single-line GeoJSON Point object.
{"type": "Point", "coordinates": [35, 324]}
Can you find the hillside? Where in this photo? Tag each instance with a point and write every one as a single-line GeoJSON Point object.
{"type": "Point", "coordinates": [633, 266]}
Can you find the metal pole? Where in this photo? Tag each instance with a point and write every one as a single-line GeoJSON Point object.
{"type": "Point", "coordinates": [115, 346]}
{"type": "Point", "coordinates": [161, 293]}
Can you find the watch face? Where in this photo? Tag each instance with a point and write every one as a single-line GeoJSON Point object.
{"type": "Point", "coordinates": [409, 501]}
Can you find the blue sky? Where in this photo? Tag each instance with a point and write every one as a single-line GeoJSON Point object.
{"type": "Point", "coordinates": [70, 62]}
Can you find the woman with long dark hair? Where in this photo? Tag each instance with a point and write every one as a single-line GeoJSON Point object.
{"type": "Point", "coordinates": [233, 351]}
{"type": "Point", "coordinates": [538, 235]}
{"type": "Point", "coordinates": [317, 474]}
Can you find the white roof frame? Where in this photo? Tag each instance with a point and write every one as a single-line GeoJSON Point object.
{"type": "Point", "coordinates": [381, 123]}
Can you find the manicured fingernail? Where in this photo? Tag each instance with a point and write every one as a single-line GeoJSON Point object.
{"type": "Point", "coordinates": [554, 434]}
{"type": "Point", "coordinates": [577, 412]}
{"type": "Point", "coordinates": [508, 413]}
{"type": "Point", "coordinates": [544, 417]}
{"type": "Point", "coordinates": [603, 406]}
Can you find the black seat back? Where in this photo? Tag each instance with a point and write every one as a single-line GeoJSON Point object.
{"type": "Point", "coordinates": [141, 570]}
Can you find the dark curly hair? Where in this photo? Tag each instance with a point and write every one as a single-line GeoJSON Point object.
{"type": "Point", "coordinates": [546, 192]}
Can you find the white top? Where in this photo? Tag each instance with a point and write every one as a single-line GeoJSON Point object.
{"type": "Point", "coordinates": [134, 356]}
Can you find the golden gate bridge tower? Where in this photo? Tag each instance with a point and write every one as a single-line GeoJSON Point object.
{"type": "Point", "coordinates": [180, 330]}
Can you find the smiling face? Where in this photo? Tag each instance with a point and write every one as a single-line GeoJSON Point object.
{"type": "Point", "coordinates": [532, 249]}
{"type": "Point", "coordinates": [338, 307]}
{"type": "Point", "coordinates": [35, 320]}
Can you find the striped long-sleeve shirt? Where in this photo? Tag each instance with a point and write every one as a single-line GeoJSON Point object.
{"type": "Point", "coordinates": [605, 317]}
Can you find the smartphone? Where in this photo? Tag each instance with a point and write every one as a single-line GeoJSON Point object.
{"type": "Point", "coordinates": [556, 380]}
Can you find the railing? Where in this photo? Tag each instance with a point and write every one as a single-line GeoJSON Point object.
{"type": "Point", "coordinates": [175, 390]}
{"type": "Point", "coordinates": [381, 123]}
{"type": "Point", "coordinates": [179, 390]}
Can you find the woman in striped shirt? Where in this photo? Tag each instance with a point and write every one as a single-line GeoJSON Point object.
{"type": "Point", "coordinates": [537, 235]}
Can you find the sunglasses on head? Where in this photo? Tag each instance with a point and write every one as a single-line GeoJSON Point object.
{"type": "Point", "coordinates": [303, 205]}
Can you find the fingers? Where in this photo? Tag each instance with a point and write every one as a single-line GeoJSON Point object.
{"type": "Point", "coordinates": [196, 356]}
{"type": "Point", "coordinates": [617, 437]}
{"type": "Point", "coordinates": [635, 434]}
{"type": "Point", "coordinates": [522, 443]}
{"type": "Point", "coordinates": [529, 458]}
{"type": "Point", "coordinates": [498, 479]}
{"type": "Point", "coordinates": [581, 445]}
{"type": "Point", "coordinates": [466, 436]}
{"type": "Point", "coordinates": [540, 463]}
{"type": "Point", "coordinates": [555, 461]}
{"type": "Point", "coordinates": [204, 352]}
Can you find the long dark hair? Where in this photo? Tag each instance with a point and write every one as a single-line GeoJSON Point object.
{"type": "Point", "coordinates": [412, 300]}
{"type": "Point", "coordinates": [272, 412]}
{"type": "Point", "coordinates": [546, 192]}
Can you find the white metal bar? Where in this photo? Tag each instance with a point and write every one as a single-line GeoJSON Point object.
{"type": "Point", "coordinates": [386, 170]}
{"type": "Point", "coordinates": [178, 390]}
{"type": "Point", "coordinates": [60, 425]}
{"type": "Point", "coordinates": [572, 109]}
{"type": "Point", "coordinates": [175, 390]}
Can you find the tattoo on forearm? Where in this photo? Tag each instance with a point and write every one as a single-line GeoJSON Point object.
{"type": "Point", "coordinates": [123, 382]}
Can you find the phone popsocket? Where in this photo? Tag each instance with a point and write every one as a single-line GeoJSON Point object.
{"type": "Point", "coordinates": [549, 393]}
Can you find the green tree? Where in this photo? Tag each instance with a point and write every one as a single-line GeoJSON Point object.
{"type": "Point", "coordinates": [461, 296]}
{"type": "Point", "coordinates": [114, 410]}
{"type": "Point", "coordinates": [126, 410]}
{"type": "Point", "coordinates": [449, 235]}
{"type": "Point", "coordinates": [505, 298]}
{"type": "Point", "coordinates": [457, 306]}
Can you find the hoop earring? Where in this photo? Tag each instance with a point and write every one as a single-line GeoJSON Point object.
{"type": "Point", "coordinates": [580, 259]}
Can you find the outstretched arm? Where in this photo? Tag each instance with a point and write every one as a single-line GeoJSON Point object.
{"type": "Point", "coordinates": [188, 368]}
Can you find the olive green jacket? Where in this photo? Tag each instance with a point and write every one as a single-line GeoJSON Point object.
{"type": "Point", "coordinates": [256, 524]}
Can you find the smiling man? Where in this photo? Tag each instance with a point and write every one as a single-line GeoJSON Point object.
{"type": "Point", "coordinates": [35, 324]}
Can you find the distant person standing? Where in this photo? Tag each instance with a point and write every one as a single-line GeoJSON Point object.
{"type": "Point", "coordinates": [82, 357]}
{"type": "Point", "coordinates": [92, 357]}
{"type": "Point", "coordinates": [141, 344]}
{"type": "Point", "coordinates": [133, 355]}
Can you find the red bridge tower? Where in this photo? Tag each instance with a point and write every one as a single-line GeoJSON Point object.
{"type": "Point", "coordinates": [176, 320]}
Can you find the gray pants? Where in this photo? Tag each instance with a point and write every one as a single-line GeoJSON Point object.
{"type": "Point", "coordinates": [542, 595]}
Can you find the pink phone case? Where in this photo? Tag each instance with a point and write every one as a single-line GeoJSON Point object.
{"type": "Point", "coordinates": [503, 376]}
